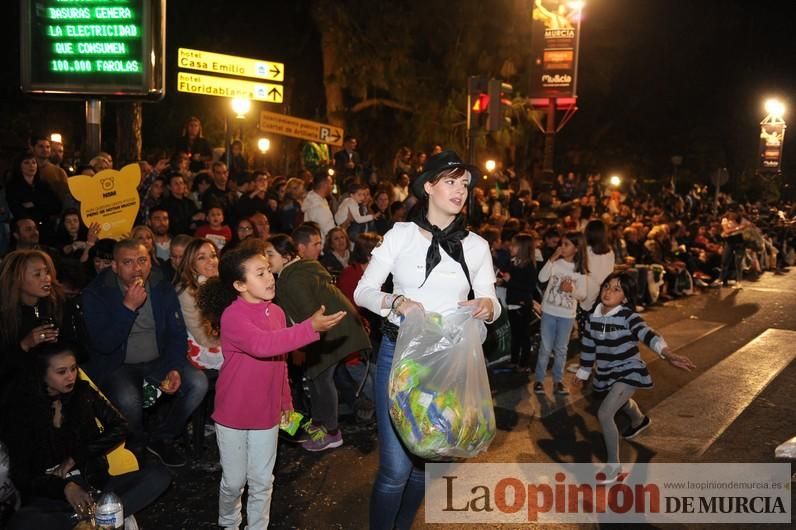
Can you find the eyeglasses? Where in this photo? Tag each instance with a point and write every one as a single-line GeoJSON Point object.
{"type": "Point", "coordinates": [245, 229]}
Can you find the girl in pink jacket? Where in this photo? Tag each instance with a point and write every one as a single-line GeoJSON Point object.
{"type": "Point", "coordinates": [252, 391]}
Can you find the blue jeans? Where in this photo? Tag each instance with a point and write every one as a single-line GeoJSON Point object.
{"type": "Point", "coordinates": [400, 486]}
{"type": "Point", "coordinates": [124, 387]}
{"type": "Point", "coordinates": [555, 333]}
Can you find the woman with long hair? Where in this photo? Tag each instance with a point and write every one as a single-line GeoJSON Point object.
{"type": "Point", "coordinates": [59, 430]}
{"type": "Point", "coordinates": [289, 210]}
{"type": "Point", "coordinates": [435, 263]}
{"type": "Point", "coordinates": [199, 263]}
{"type": "Point", "coordinates": [145, 235]}
{"type": "Point", "coordinates": [336, 251]}
{"type": "Point", "coordinates": [32, 308]}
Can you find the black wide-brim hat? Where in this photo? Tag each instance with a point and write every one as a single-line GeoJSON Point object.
{"type": "Point", "coordinates": [437, 164]}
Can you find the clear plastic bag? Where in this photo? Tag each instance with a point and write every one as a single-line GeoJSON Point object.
{"type": "Point", "coordinates": [440, 400]}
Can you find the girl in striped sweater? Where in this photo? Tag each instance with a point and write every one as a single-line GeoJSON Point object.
{"type": "Point", "coordinates": [611, 339]}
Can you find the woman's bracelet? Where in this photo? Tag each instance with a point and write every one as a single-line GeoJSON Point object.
{"type": "Point", "coordinates": [396, 302]}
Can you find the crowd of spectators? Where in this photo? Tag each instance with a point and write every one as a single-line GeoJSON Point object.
{"type": "Point", "coordinates": [133, 314]}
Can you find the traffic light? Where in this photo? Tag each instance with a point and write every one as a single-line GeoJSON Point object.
{"type": "Point", "coordinates": [477, 102]}
{"type": "Point", "coordinates": [499, 104]}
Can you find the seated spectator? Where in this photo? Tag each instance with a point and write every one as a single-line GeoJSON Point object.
{"type": "Point", "coordinates": [200, 262]}
{"type": "Point", "coordinates": [289, 211]}
{"type": "Point", "coordinates": [244, 229]}
{"type": "Point", "coordinates": [158, 222]}
{"type": "Point", "coordinates": [215, 230]}
{"type": "Point", "coordinates": [262, 225]}
{"type": "Point", "coordinates": [336, 251]}
{"type": "Point", "coordinates": [58, 430]}
{"type": "Point", "coordinates": [183, 213]}
{"type": "Point", "coordinates": [100, 257]}
{"type": "Point", "coordinates": [201, 183]}
{"type": "Point", "coordinates": [137, 335]}
{"type": "Point", "coordinates": [176, 252]}
{"type": "Point", "coordinates": [151, 200]}
{"type": "Point", "coordinates": [28, 195]}
{"type": "Point", "coordinates": [73, 238]}
{"type": "Point", "coordinates": [304, 285]}
{"type": "Point", "coordinates": [381, 210]}
{"type": "Point", "coordinates": [33, 309]}
{"type": "Point", "coordinates": [257, 199]}
{"type": "Point", "coordinates": [144, 235]}
{"type": "Point", "coordinates": [353, 212]}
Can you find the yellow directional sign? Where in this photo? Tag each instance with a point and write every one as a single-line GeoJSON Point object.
{"type": "Point", "coordinates": [219, 63]}
{"type": "Point", "coordinates": [298, 128]}
{"type": "Point", "coordinates": [208, 85]}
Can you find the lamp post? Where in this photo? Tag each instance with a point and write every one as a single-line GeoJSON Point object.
{"type": "Point", "coordinates": [263, 145]}
{"type": "Point", "coordinates": [615, 181]}
{"type": "Point", "coordinates": [240, 107]}
{"type": "Point", "coordinates": [772, 136]}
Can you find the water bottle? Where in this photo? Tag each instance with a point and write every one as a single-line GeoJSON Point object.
{"type": "Point", "coordinates": [109, 512]}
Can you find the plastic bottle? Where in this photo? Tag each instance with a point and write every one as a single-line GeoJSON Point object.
{"type": "Point", "coordinates": [109, 512]}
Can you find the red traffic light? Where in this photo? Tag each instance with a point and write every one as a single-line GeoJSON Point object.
{"type": "Point", "coordinates": [481, 103]}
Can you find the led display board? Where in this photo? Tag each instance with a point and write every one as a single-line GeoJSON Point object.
{"type": "Point", "coordinates": [93, 47]}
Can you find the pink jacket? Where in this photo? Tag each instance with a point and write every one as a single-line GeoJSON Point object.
{"type": "Point", "coordinates": [252, 388]}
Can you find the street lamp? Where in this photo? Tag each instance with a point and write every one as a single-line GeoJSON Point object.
{"type": "Point", "coordinates": [263, 144]}
{"type": "Point", "coordinates": [490, 165]}
{"type": "Point", "coordinates": [615, 181]}
{"type": "Point", "coordinates": [241, 106]}
{"type": "Point", "coordinates": [56, 137]}
{"type": "Point", "coordinates": [775, 108]}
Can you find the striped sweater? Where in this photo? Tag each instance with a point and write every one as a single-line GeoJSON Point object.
{"type": "Point", "coordinates": [610, 346]}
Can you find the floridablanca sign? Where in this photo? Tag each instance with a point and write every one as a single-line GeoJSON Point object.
{"type": "Point", "coordinates": [93, 47]}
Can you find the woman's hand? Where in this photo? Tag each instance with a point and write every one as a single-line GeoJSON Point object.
{"type": "Point", "coordinates": [556, 254]}
{"type": "Point", "coordinates": [321, 322]}
{"type": "Point", "coordinates": [93, 234]}
{"type": "Point", "coordinates": [406, 306]}
{"type": "Point", "coordinates": [78, 498]}
{"type": "Point", "coordinates": [483, 308]}
{"type": "Point", "coordinates": [566, 286]}
{"type": "Point", "coordinates": [65, 467]}
{"type": "Point", "coordinates": [38, 335]}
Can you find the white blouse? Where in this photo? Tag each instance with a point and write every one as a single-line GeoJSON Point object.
{"type": "Point", "coordinates": [403, 253]}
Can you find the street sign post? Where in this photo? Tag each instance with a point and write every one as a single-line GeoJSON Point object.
{"type": "Point", "coordinates": [218, 63]}
{"type": "Point", "coordinates": [208, 85]}
{"type": "Point", "coordinates": [299, 128]}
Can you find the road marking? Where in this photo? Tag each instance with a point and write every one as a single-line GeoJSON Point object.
{"type": "Point", "coordinates": [522, 400]}
{"type": "Point", "coordinates": [691, 419]}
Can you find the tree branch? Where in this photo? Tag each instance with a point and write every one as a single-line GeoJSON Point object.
{"type": "Point", "coordinates": [364, 104]}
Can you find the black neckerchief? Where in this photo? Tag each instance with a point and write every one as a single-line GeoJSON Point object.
{"type": "Point", "coordinates": [450, 239]}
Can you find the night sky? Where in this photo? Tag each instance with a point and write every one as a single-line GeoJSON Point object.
{"type": "Point", "coordinates": [657, 78]}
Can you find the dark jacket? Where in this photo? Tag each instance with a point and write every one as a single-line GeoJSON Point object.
{"type": "Point", "coordinates": [42, 200]}
{"type": "Point", "coordinates": [304, 287]}
{"type": "Point", "coordinates": [108, 324]}
{"type": "Point", "coordinates": [35, 445]}
{"type": "Point", "coordinates": [181, 212]}
{"type": "Point", "coordinates": [521, 287]}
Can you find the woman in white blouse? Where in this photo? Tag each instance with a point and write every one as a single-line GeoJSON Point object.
{"type": "Point", "coordinates": [435, 263]}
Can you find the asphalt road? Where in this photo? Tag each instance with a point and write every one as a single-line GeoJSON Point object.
{"type": "Point", "coordinates": [746, 408]}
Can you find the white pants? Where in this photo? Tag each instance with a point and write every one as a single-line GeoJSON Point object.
{"type": "Point", "coordinates": [246, 456]}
